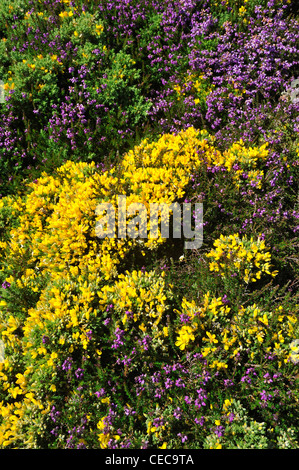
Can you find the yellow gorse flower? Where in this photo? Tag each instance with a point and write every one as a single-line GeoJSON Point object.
{"type": "Point", "coordinates": [104, 438]}
{"type": "Point", "coordinates": [185, 336]}
{"type": "Point", "coordinates": [139, 298]}
{"type": "Point", "coordinates": [246, 257]}
{"type": "Point", "coordinates": [76, 275]}
{"type": "Point", "coordinates": [195, 85]}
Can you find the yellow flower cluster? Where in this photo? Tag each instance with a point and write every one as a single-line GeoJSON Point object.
{"type": "Point", "coordinates": [14, 415]}
{"type": "Point", "coordinates": [247, 159]}
{"type": "Point", "coordinates": [9, 86]}
{"type": "Point", "coordinates": [20, 406]}
{"type": "Point", "coordinates": [246, 257]}
{"type": "Point", "coordinates": [7, 328]}
{"type": "Point", "coordinates": [275, 329]}
{"type": "Point", "coordinates": [221, 333]}
{"type": "Point", "coordinates": [138, 297]}
{"type": "Point", "coordinates": [245, 156]}
{"type": "Point", "coordinates": [158, 172]}
{"type": "Point", "coordinates": [185, 336]}
{"type": "Point", "coordinates": [57, 221]}
{"type": "Point", "coordinates": [196, 86]}
{"type": "Point", "coordinates": [242, 11]}
{"type": "Point", "coordinates": [99, 29]}
{"type": "Point", "coordinates": [53, 254]}
{"type": "Point", "coordinates": [200, 319]}
{"type": "Point", "coordinates": [66, 14]}
{"type": "Point", "coordinates": [104, 438]}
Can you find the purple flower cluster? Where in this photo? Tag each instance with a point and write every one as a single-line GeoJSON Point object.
{"type": "Point", "coordinates": [67, 364]}
{"type": "Point", "coordinates": [87, 114]}
{"type": "Point", "coordinates": [5, 285]}
{"type": "Point", "coordinates": [265, 397]}
{"type": "Point", "coordinates": [248, 70]}
{"type": "Point", "coordinates": [250, 373]}
{"type": "Point", "coordinates": [75, 434]}
{"type": "Point", "coordinates": [119, 341]}
{"type": "Point", "coordinates": [85, 95]}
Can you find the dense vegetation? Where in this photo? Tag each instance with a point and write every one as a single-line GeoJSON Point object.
{"type": "Point", "coordinates": [139, 342]}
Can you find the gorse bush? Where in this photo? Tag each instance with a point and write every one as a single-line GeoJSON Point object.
{"type": "Point", "coordinates": [87, 323]}
{"type": "Point", "coordinates": [86, 80]}
{"type": "Point", "coordinates": [135, 341]}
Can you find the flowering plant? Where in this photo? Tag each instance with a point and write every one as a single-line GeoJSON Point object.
{"type": "Point", "coordinates": [112, 342]}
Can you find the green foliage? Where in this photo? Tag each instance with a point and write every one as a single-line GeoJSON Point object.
{"type": "Point", "coordinates": [120, 343]}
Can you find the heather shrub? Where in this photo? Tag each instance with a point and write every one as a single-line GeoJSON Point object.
{"type": "Point", "coordinates": [113, 332]}
{"type": "Point", "coordinates": [119, 343]}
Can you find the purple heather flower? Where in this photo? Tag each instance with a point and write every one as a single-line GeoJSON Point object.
{"type": "Point", "coordinates": [219, 431]}
{"type": "Point", "coordinates": [67, 364]}
{"type": "Point", "coordinates": [188, 399]}
{"type": "Point", "coordinates": [119, 333]}
{"type": "Point", "coordinates": [45, 339]}
{"type": "Point", "coordinates": [5, 285]}
{"type": "Point", "coordinates": [89, 334]}
{"type": "Point", "coordinates": [183, 437]}
{"type": "Point", "coordinates": [225, 300]}
{"type": "Point", "coordinates": [129, 411]}
{"type": "Point", "coordinates": [168, 383]}
{"type": "Point", "coordinates": [79, 373]}
{"type": "Point", "coordinates": [177, 413]}
{"type": "Point", "coordinates": [179, 383]}
{"type": "Point", "coordinates": [185, 318]}
{"type": "Point", "coordinates": [200, 421]}
{"type": "Point", "coordinates": [100, 393]}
